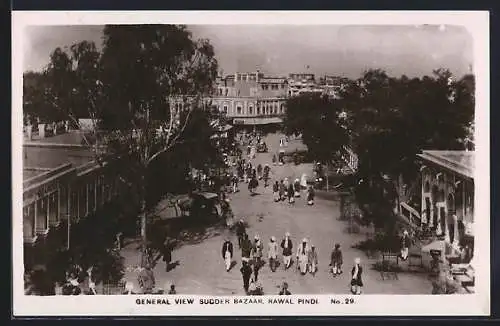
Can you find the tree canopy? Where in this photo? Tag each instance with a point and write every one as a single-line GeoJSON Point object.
{"type": "Point", "coordinates": [393, 119]}
{"type": "Point", "coordinates": [319, 120]}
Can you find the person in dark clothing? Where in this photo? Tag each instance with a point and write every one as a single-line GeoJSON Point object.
{"type": "Point", "coordinates": [246, 248]}
{"type": "Point", "coordinates": [276, 192]}
{"type": "Point", "coordinates": [291, 194]}
{"type": "Point", "coordinates": [252, 185]}
{"type": "Point", "coordinates": [246, 272]}
{"type": "Point", "coordinates": [167, 255]}
{"type": "Point", "coordinates": [240, 231]}
{"type": "Point", "coordinates": [172, 290]}
{"type": "Point", "coordinates": [259, 171]}
{"type": "Point", "coordinates": [310, 196]}
{"type": "Point", "coordinates": [227, 253]}
{"type": "Point", "coordinates": [287, 246]}
{"type": "Point", "coordinates": [265, 176]}
{"type": "Point", "coordinates": [284, 289]}
{"type": "Point", "coordinates": [336, 260]}
{"type": "Point", "coordinates": [282, 190]}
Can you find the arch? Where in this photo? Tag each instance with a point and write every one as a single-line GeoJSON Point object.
{"type": "Point", "coordinates": [427, 186]}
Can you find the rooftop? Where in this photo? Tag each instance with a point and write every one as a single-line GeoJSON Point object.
{"type": "Point", "coordinates": [43, 155]}
{"type": "Point", "coordinates": [461, 162]}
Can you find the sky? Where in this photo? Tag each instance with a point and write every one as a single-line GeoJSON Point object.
{"type": "Point", "coordinates": [343, 50]}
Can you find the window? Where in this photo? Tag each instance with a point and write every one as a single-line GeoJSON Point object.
{"type": "Point", "coordinates": [258, 110]}
{"type": "Point", "coordinates": [250, 110]}
{"type": "Point", "coordinates": [227, 90]}
{"type": "Point", "coordinates": [225, 109]}
{"type": "Point", "coordinates": [220, 91]}
{"type": "Point", "coordinates": [238, 110]}
{"type": "Point", "coordinates": [282, 108]}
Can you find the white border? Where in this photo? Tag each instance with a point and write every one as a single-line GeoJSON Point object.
{"type": "Point", "coordinates": [476, 22]}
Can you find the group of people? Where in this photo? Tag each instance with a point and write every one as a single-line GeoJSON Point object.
{"type": "Point", "coordinates": [286, 190]}
{"type": "Point", "coordinates": [306, 256]}
{"type": "Point", "coordinates": [250, 174]}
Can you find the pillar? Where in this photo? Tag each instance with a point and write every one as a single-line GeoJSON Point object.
{"type": "Point", "coordinates": [86, 198]}
{"type": "Point", "coordinates": [456, 234]}
{"type": "Point", "coordinates": [29, 129]}
{"type": "Point", "coordinates": [58, 217]}
{"type": "Point", "coordinates": [95, 195]}
{"type": "Point", "coordinates": [446, 225]}
{"type": "Point", "coordinates": [431, 211]}
{"type": "Point", "coordinates": [35, 218]}
{"type": "Point", "coordinates": [439, 230]}
{"type": "Point", "coordinates": [41, 130]}
{"type": "Point", "coordinates": [68, 216]}
{"type": "Point", "coordinates": [47, 215]}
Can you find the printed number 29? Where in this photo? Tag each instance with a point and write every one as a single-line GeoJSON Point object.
{"type": "Point", "coordinates": [349, 300]}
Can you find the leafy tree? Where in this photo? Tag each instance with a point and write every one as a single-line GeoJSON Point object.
{"type": "Point", "coordinates": [318, 119]}
{"type": "Point", "coordinates": [127, 91]}
{"type": "Point", "coordinates": [393, 119]}
{"type": "Point", "coordinates": [143, 68]}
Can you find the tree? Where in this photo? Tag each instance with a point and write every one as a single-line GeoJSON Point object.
{"type": "Point", "coordinates": [318, 119]}
{"type": "Point", "coordinates": [392, 120]}
{"type": "Point", "coordinates": [143, 68]}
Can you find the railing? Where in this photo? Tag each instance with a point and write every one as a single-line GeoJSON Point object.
{"type": "Point", "coordinates": [410, 214]}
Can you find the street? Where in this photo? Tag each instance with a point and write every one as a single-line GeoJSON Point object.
{"type": "Point", "coordinates": [201, 267]}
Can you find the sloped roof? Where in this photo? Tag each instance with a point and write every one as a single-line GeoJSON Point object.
{"type": "Point", "coordinates": [461, 162]}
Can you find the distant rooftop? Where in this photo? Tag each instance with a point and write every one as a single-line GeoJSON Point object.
{"type": "Point", "coordinates": [42, 155]}
{"type": "Point", "coordinates": [461, 162]}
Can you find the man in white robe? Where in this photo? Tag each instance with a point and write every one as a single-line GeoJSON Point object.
{"type": "Point", "coordinates": [303, 256]}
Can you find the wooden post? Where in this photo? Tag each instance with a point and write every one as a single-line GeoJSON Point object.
{"type": "Point", "coordinates": [68, 214]}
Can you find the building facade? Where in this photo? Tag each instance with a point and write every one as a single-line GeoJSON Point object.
{"type": "Point", "coordinates": [448, 195]}
{"type": "Point", "coordinates": [62, 185]}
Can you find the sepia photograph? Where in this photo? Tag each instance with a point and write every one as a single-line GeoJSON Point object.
{"type": "Point", "coordinates": [275, 163]}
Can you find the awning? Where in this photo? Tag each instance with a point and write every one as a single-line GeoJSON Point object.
{"type": "Point", "coordinates": [257, 121]}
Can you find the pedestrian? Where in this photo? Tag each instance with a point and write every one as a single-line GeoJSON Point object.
{"type": "Point", "coordinates": [146, 280]}
{"type": "Point", "coordinates": [310, 196]}
{"type": "Point", "coordinates": [296, 187]}
{"type": "Point", "coordinates": [246, 273]}
{"type": "Point", "coordinates": [287, 246]}
{"type": "Point", "coordinates": [356, 281]}
{"type": "Point", "coordinates": [273, 254]}
{"type": "Point", "coordinates": [235, 183]}
{"type": "Point", "coordinates": [167, 255]}
{"type": "Point", "coordinates": [227, 253]}
{"type": "Point", "coordinates": [259, 171]}
{"type": "Point", "coordinates": [284, 289]}
{"type": "Point", "coordinates": [290, 194]}
{"type": "Point", "coordinates": [266, 171]}
{"type": "Point", "coordinates": [252, 185]}
{"type": "Point", "coordinates": [276, 192]}
{"type": "Point", "coordinates": [313, 260]}
{"type": "Point", "coordinates": [246, 248]}
{"type": "Point", "coordinates": [172, 290]}
{"type": "Point", "coordinates": [303, 256]}
{"type": "Point", "coordinates": [240, 231]}
{"type": "Point", "coordinates": [336, 260]}
{"type": "Point", "coordinates": [249, 148]}
{"type": "Point", "coordinates": [282, 190]}
{"type": "Point", "coordinates": [257, 249]}
{"type": "Point", "coordinates": [274, 159]}
{"type": "Point", "coordinates": [405, 245]}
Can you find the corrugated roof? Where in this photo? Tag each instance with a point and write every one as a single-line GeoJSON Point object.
{"type": "Point", "coordinates": [461, 162]}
